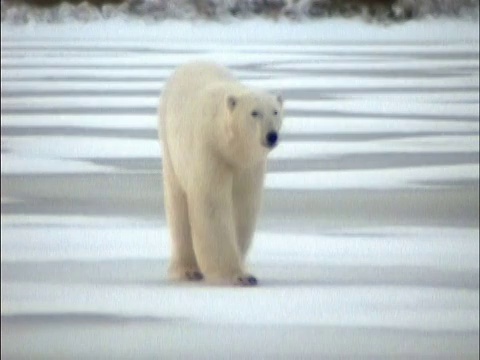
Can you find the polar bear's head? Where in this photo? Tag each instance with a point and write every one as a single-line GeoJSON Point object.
{"type": "Point", "coordinates": [255, 120]}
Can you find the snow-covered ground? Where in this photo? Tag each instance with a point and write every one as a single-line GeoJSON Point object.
{"type": "Point", "coordinates": [367, 246]}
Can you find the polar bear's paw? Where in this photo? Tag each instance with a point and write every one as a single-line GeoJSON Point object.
{"type": "Point", "coordinates": [185, 274]}
{"type": "Point", "coordinates": [193, 275]}
{"type": "Point", "coordinates": [246, 280]}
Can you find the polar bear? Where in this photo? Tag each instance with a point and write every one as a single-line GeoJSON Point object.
{"type": "Point", "coordinates": [216, 134]}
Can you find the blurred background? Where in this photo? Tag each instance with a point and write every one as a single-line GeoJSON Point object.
{"type": "Point", "coordinates": [379, 10]}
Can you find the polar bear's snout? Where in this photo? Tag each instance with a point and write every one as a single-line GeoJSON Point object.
{"type": "Point", "coordinates": [271, 139]}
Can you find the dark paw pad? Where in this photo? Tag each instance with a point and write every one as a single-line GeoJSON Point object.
{"type": "Point", "coordinates": [247, 280]}
{"type": "Point", "coordinates": [194, 275]}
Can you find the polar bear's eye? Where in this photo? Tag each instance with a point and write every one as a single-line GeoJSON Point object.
{"type": "Point", "coordinates": [275, 112]}
{"type": "Point", "coordinates": [255, 113]}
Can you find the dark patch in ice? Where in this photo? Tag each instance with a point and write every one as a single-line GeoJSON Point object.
{"type": "Point", "coordinates": [371, 276]}
{"type": "Point", "coordinates": [430, 73]}
{"type": "Point", "coordinates": [358, 161]}
{"type": "Point", "coordinates": [79, 92]}
{"type": "Point", "coordinates": [378, 276]}
{"type": "Point", "coordinates": [129, 164]}
{"type": "Point", "coordinates": [361, 137]}
{"type": "Point", "coordinates": [151, 273]}
{"type": "Point", "coordinates": [465, 183]}
{"type": "Point", "coordinates": [84, 78]}
{"type": "Point", "coordinates": [79, 317]}
{"type": "Point", "coordinates": [92, 48]}
{"type": "Point", "coordinates": [140, 195]}
{"type": "Point", "coordinates": [139, 272]}
{"type": "Point", "coordinates": [359, 54]}
{"type": "Point", "coordinates": [372, 116]}
{"type": "Point", "coordinates": [139, 110]}
{"type": "Point", "coordinates": [63, 131]}
{"type": "Point", "coordinates": [147, 110]}
{"type": "Point", "coordinates": [362, 161]}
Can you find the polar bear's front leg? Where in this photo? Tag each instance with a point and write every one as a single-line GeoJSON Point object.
{"type": "Point", "coordinates": [214, 236]}
{"type": "Point", "coordinates": [247, 198]}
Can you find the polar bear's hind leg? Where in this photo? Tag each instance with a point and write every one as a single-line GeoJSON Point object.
{"type": "Point", "coordinates": [183, 264]}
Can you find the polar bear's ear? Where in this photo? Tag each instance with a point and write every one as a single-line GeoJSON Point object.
{"type": "Point", "coordinates": [231, 102]}
{"type": "Point", "coordinates": [279, 99]}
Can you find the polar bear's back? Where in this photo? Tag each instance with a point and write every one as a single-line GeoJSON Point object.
{"type": "Point", "coordinates": [184, 92]}
{"type": "Point", "coordinates": [192, 79]}
{"type": "Point", "coordinates": [189, 99]}
{"type": "Point", "coordinates": [201, 73]}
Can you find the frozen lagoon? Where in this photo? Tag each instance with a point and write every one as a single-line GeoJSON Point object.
{"type": "Point", "coordinates": [368, 243]}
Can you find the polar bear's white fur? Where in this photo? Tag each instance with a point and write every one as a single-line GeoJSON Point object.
{"type": "Point", "coordinates": [216, 134]}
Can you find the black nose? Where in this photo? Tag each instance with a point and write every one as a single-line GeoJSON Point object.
{"type": "Point", "coordinates": [272, 138]}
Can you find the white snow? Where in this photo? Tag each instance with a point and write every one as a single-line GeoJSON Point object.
{"type": "Point", "coordinates": [367, 246]}
{"type": "Point", "coordinates": [78, 147]}
{"type": "Point", "coordinates": [13, 164]}
{"type": "Point", "coordinates": [91, 121]}
{"type": "Point", "coordinates": [347, 125]}
{"type": "Point", "coordinates": [196, 34]}
{"type": "Point", "coordinates": [372, 179]}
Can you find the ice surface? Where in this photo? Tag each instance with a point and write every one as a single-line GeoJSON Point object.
{"type": "Point", "coordinates": [367, 246]}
